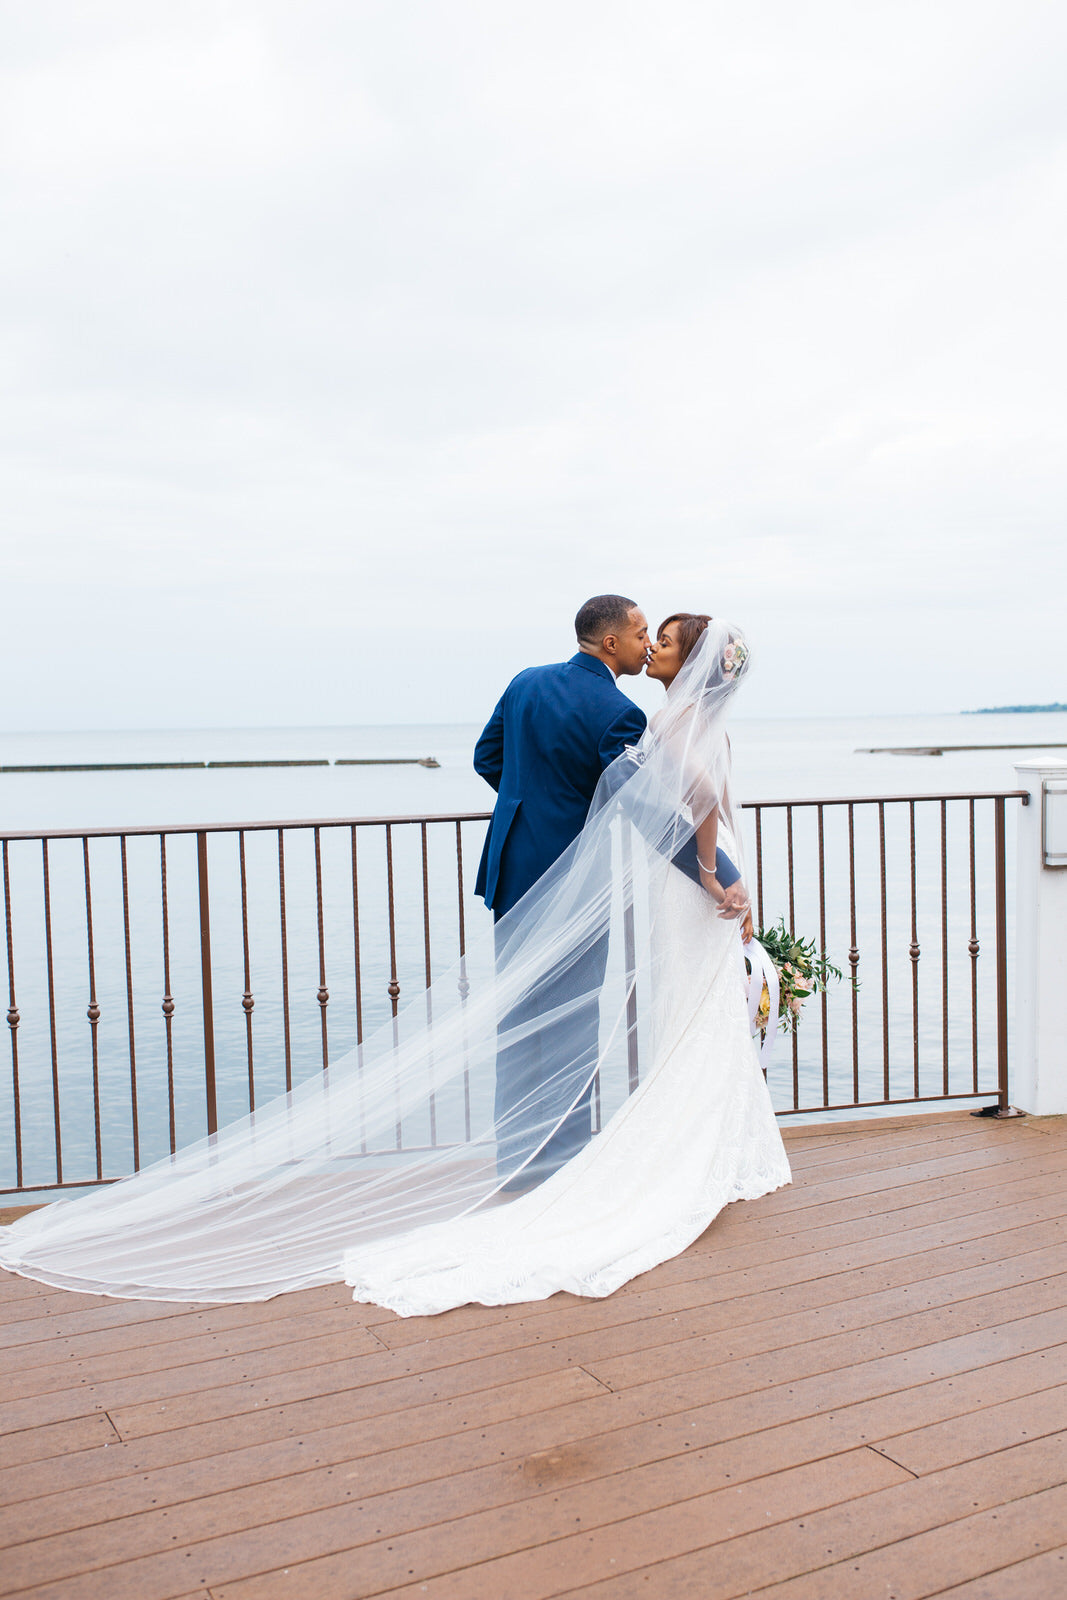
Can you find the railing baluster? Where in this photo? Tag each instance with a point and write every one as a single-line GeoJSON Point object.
{"type": "Point", "coordinates": [853, 950]}
{"type": "Point", "coordinates": [394, 986]}
{"type": "Point", "coordinates": [13, 1021]}
{"type": "Point", "coordinates": [885, 954]}
{"type": "Point", "coordinates": [355, 940]}
{"type": "Point", "coordinates": [913, 952]}
{"type": "Point", "coordinates": [759, 869]}
{"type": "Point", "coordinates": [464, 982]}
{"type": "Point", "coordinates": [129, 1004]}
{"type": "Point", "coordinates": [93, 1012]}
{"type": "Point", "coordinates": [973, 949]}
{"type": "Point", "coordinates": [359, 991]}
{"type": "Point", "coordinates": [323, 995]}
{"type": "Point", "coordinates": [1002, 954]}
{"type": "Point", "coordinates": [205, 984]}
{"type": "Point", "coordinates": [944, 948]}
{"type": "Point", "coordinates": [794, 1043]}
{"type": "Point", "coordinates": [426, 968]}
{"type": "Point", "coordinates": [822, 946]}
{"type": "Point", "coordinates": [247, 999]}
{"type": "Point", "coordinates": [286, 1031]}
{"type": "Point", "coordinates": [168, 999]}
{"type": "Point", "coordinates": [52, 1010]}
{"type": "Point", "coordinates": [633, 1074]}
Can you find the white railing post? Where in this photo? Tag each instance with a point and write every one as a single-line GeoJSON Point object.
{"type": "Point", "coordinates": [1039, 1064]}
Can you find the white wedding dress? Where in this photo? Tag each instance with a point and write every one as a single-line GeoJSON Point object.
{"type": "Point", "coordinates": [696, 1134]}
{"type": "Point", "coordinates": [391, 1169]}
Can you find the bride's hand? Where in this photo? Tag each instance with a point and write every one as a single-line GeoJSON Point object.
{"type": "Point", "coordinates": [735, 901]}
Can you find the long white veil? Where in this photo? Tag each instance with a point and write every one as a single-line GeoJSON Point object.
{"type": "Point", "coordinates": [437, 1118]}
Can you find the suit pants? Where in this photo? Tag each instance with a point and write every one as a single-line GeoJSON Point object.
{"type": "Point", "coordinates": [544, 1077]}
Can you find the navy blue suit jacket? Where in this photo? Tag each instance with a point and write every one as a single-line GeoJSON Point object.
{"type": "Point", "coordinates": [552, 734]}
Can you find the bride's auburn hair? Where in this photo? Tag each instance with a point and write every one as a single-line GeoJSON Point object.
{"type": "Point", "coordinates": [691, 625]}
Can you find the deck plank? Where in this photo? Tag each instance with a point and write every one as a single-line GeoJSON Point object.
{"type": "Point", "coordinates": [307, 1340]}
{"type": "Point", "coordinates": [704, 1547]}
{"type": "Point", "coordinates": [822, 1550]}
{"type": "Point", "coordinates": [69, 1509]}
{"type": "Point", "coordinates": [547, 1526]}
{"type": "Point", "coordinates": [856, 1382]}
{"type": "Point", "coordinates": [1042, 1577]}
{"type": "Point", "coordinates": [993, 1428]}
{"type": "Point", "coordinates": [291, 1535]}
{"type": "Point", "coordinates": [333, 1351]}
{"type": "Point", "coordinates": [916, 1567]}
{"type": "Point", "coordinates": [69, 1314]}
{"type": "Point", "coordinates": [1036, 1271]}
{"type": "Point", "coordinates": [57, 1439]}
{"type": "Point", "coordinates": [97, 1357]}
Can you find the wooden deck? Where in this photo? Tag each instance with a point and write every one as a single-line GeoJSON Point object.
{"type": "Point", "coordinates": [852, 1388]}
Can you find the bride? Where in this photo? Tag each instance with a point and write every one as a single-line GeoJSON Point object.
{"type": "Point", "coordinates": [391, 1172]}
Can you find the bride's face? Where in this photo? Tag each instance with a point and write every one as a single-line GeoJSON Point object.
{"type": "Point", "coordinates": [665, 657]}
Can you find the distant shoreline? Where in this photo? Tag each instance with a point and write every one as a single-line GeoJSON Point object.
{"type": "Point", "coordinates": [987, 711]}
{"type": "Point", "coordinates": [943, 749]}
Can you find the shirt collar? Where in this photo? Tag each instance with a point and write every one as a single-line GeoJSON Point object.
{"type": "Point", "coordinates": [592, 664]}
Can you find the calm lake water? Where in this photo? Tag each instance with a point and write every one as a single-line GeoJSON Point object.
{"type": "Point", "coordinates": [772, 760]}
{"type": "Point", "coordinates": [819, 757]}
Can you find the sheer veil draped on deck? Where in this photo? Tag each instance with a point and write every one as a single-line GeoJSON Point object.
{"type": "Point", "coordinates": [276, 1200]}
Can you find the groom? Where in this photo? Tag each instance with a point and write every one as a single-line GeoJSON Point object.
{"type": "Point", "coordinates": [552, 734]}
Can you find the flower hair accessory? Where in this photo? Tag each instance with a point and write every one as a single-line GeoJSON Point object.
{"type": "Point", "coordinates": [734, 658]}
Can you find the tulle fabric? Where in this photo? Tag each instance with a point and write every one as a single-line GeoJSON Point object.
{"type": "Point", "coordinates": [485, 1086]}
{"type": "Point", "coordinates": [698, 1133]}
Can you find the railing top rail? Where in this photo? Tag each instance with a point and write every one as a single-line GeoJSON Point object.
{"type": "Point", "coordinates": [155, 830]}
{"type": "Point", "coordinates": [248, 827]}
{"type": "Point", "coordinates": [886, 799]}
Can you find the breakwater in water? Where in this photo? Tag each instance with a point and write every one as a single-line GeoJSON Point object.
{"type": "Point", "coordinates": [187, 766]}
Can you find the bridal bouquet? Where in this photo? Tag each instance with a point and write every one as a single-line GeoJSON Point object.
{"type": "Point", "coordinates": [802, 971]}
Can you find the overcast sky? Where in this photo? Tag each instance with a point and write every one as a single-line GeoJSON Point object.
{"type": "Point", "coordinates": [347, 347]}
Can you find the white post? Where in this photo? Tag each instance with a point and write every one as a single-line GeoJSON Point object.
{"type": "Point", "coordinates": [1039, 1059]}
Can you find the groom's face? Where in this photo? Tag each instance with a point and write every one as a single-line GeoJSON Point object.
{"type": "Point", "coordinates": [631, 644]}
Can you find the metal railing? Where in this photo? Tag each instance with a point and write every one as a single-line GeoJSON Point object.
{"type": "Point", "coordinates": [272, 945]}
{"type": "Point", "coordinates": [956, 913]}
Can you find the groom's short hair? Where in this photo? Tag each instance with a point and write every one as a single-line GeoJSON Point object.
{"type": "Point", "coordinates": [603, 614]}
